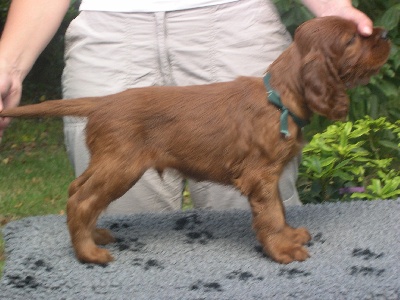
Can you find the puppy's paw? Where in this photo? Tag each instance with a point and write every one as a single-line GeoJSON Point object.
{"type": "Point", "coordinates": [95, 255]}
{"type": "Point", "coordinates": [288, 254]}
{"type": "Point", "coordinates": [102, 236]}
{"type": "Point", "coordinates": [286, 245]}
{"type": "Point", "coordinates": [301, 235]}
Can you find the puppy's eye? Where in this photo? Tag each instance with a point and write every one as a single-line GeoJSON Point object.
{"type": "Point", "coordinates": [351, 40]}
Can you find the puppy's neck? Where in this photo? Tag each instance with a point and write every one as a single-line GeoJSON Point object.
{"type": "Point", "coordinates": [286, 79]}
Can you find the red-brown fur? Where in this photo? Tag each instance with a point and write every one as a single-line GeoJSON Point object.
{"type": "Point", "coordinates": [224, 132]}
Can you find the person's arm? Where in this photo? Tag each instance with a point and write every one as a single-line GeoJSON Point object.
{"type": "Point", "coordinates": [29, 27]}
{"type": "Point", "coordinates": [342, 8]}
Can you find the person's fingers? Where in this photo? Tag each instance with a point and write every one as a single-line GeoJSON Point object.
{"type": "Point", "coordinates": [349, 12]}
{"type": "Point", "coordinates": [364, 23]}
{"type": "Point", "coordinates": [10, 95]}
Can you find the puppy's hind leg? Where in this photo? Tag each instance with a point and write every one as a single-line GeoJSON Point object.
{"type": "Point", "coordinates": [76, 184]}
{"type": "Point", "coordinates": [104, 181]}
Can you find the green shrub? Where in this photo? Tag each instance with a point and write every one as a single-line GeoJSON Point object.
{"type": "Point", "coordinates": [363, 154]}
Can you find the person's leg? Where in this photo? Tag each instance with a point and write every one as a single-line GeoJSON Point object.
{"type": "Point", "coordinates": [219, 43]}
{"type": "Point", "coordinates": [107, 53]}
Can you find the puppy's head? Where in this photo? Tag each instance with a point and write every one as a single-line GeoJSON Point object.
{"type": "Point", "coordinates": [336, 57]}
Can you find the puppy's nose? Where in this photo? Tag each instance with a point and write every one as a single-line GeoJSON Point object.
{"type": "Point", "coordinates": [384, 34]}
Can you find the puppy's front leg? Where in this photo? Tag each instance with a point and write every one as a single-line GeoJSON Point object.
{"type": "Point", "coordinates": [281, 242]}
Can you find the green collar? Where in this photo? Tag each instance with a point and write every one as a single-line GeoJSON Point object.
{"type": "Point", "coordinates": [274, 98]}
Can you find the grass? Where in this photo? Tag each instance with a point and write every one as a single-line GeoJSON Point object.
{"type": "Point", "coordinates": [34, 171]}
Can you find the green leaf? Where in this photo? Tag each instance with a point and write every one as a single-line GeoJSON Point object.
{"type": "Point", "coordinates": [361, 196]}
{"type": "Point", "coordinates": [316, 188]}
{"type": "Point", "coordinates": [328, 161]}
{"type": "Point", "coordinates": [388, 88]}
{"type": "Point", "coordinates": [389, 144]}
{"type": "Point", "coordinates": [343, 163]}
{"type": "Point", "coordinates": [390, 18]}
{"type": "Point", "coordinates": [343, 175]}
{"type": "Point", "coordinates": [376, 186]}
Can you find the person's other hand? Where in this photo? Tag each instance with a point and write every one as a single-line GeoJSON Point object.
{"type": "Point", "coordinates": [10, 94]}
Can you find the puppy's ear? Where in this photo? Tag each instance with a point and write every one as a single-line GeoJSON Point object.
{"type": "Point", "coordinates": [324, 92]}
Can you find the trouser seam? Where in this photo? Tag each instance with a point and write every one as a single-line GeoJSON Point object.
{"type": "Point", "coordinates": [163, 57]}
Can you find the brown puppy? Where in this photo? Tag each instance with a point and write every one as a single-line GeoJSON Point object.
{"type": "Point", "coordinates": [224, 132]}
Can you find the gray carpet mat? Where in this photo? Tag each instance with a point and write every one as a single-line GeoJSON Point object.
{"type": "Point", "coordinates": [355, 254]}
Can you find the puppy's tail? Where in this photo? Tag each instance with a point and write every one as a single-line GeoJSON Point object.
{"type": "Point", "coordinates": [80, 107]}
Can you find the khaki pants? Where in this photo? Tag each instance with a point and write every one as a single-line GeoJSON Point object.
{"type": "Point", "coordinates": [110, 52]}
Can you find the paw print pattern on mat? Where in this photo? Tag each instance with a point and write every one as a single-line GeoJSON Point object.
{"type": "Point", "coordinates": [22, 282]}
{"type": "Point", "coordinates": [366, 271]}
{"type": "Point", "coordinates": [366, 255]}
{"type": "Point", "coordinates": [131, 244]}
{"type": "Point", "coordinates": [147, 264]}
{"type": "Point", "coordinates": [293, 273]}
{"type": "Point", "coordinates": [190, 222]}
{"type": "Point", "coordinates": [317, 238]}
{"type": "Point", "coordinates": [37, 264]}
{"type": "Point", "coordinates": [243, 276]}
{"type": "Point", "coordinates": [29, 280]}
{"type": "Point", "coordinates": [115, 226]}
{"type": "Point", "coordinates": [206, 286]}
{"type": "Point", "coordinates": [202, 237]}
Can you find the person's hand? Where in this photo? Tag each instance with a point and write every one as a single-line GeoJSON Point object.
{"type": "Point", "coordinates": [344, 9]}
{"type": "Point", "coordinates": [10, 94]}
{"type": "Point", "coordinates": [364, 23]}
